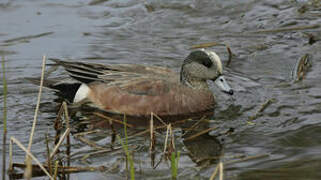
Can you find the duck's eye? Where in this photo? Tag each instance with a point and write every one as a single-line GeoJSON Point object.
{"type": "Point", "coordinates": [207, 62]}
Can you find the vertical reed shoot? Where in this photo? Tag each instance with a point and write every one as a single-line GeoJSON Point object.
{"type": "Point", "coordinates": [4, 140]}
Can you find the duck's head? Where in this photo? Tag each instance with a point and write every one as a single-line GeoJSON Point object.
{"type": "Point", "coordinates": [202, 65]}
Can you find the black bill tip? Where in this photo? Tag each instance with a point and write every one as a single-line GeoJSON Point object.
{"type": "Point", "coordinates": [230, 92]}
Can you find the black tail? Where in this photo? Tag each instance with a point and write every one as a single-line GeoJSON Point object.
{"type": "Point", "coordinates": [65, 89]}
{"type": "Point", "coordinates": [82, 72]}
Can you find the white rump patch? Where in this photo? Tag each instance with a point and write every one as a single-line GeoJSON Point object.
{"type": "Point", "coordinates": [82, 93]}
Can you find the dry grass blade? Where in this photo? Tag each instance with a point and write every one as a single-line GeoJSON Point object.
{"type": "Point", "coordinates": [10, 156]}
{"type": "Point", "coordinates": [28, 160]}
{"type": "Point", "coordinates": [48, 154]}
{"type": "Point", "coordinates": [151, 130]}
{"type": "Point", "coordinates": [56, 170]}
{"type": "Point", "coordinates": [200, 133]}
{"type": "Point", "coordinates": [165, 146]}
{"type": "Point", "coordinates": [221, 170]}
{"type": "Point", "coordinates": [262, 108]}
{"type": "Point", "coordinates": [88, 155]}
{"type": "Point", "coordinates": [87, 132]}
{"type": "Point", "coordinates": [160, 119]}
{"type": "Point", "coordinates": [247, 158]}
{"type": "Point", "coordinates": [157, 127]}
{"type": "Point", "coordinates": [64, 104]}
{"type": "Point", "coordinates": [65, 169]}
{"type": "Point", "coordinates": [194, 125]}
{"type": "Point", "coordinates": [172, 138]}
{"type": "Point", "coordinates": [266, 104]}
{"type": "Point", "coordinates": [152, 141]}
{"type": "Point", "coordinates": [111, 119]}
{"type": "Point", "coordinates": [59, 143]}
{"type": "Point", "coordinates": [58, 118]}
{"type": "Point", "coordinates": [30, 155]}
{"type": "Point", "coordinates": [166, 137]}
{"type": "Point", "coordinates": [90, 143]}
{"type": "Point", "coordinates": [214, 172]}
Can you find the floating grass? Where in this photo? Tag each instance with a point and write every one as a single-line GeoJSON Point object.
{"type": "Point", "coordinates": [26, 38]}
{"type": "Point", "coordinates": [296, 28]}
{"type": "Point", "coordinates": [4, 140]}
{"type": "Point", "coordinates": [60, 169]}
{"type": "Point", "coordinates": [262, 108]}
{"type": "Point", "coordinates": [90, 143]}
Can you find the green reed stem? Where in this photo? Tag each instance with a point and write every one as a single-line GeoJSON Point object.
{"type": "Point", "coordinates": [174, 164]}
{"type": "Point", "coordinates": [4, 120]}
{"type": "Point", "coordinates": [128, 155]}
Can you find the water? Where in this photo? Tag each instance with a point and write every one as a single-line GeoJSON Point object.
{"type": "Point", "coordinates": [162, 33]}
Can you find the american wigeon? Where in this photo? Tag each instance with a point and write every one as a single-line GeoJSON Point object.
{"type": "Point", "coordinates": [139, 90]}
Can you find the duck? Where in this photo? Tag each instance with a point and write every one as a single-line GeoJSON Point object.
{"type": "Point", "coordinates": [139, 90]}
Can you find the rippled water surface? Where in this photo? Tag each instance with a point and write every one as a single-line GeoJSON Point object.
{"type": "Point", "coordinates": [284, 137]}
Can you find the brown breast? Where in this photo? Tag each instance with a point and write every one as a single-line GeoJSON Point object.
{"type": "Point", "coordinates": [142, 97]}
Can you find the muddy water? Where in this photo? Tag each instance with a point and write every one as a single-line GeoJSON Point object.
{"type": "Point", "coordinates": [285, 135]}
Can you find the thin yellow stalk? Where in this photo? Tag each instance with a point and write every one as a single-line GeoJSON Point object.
{"type": "Point", "coordinates": [59, 143]}
{"type": "Point", "coordinates": [200, 133]}
{"type": "Point", "coordinates": [214, 172]}
{"type": "Point", "coordinates": [56, 170]}
{"type": "Point", "coordinates": [160, 119]}
{"type": "Point", "coordinates": [151, 129]}
{"type": "Point", "coordinates": [152, 138]}
{"type": "Point", "coordinates": [48, 154]}
{"type": "Point", "coordinates": [31, 156]}
{"type": "Point", "coordinates": [172, 137]}
{"type": "Point", "coordinates": [28, 171]}
{"type": "Point", "coordinates": [221, 170]}
{"type": "Point", "coordinates": [64, 104]}
{"type": "Point", "coordinates": [166, 137]}
{"type": "Point", "coordinates": [10, 156]}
